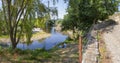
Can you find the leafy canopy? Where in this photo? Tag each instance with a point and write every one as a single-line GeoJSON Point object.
{"type": "Point", "coordinates": [82, 13]}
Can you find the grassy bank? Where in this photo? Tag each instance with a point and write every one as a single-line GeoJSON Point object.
{"type": "Point", "coordinates": [7, 55]}
{"type": "Point", "coordinates": [36, 36]}
{"type": "Point", "coordinates": [55, 55]}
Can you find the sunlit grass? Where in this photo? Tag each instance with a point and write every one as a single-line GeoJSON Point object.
{"type": "Point", "coordinates": [4, 36]}
{"type": "Point", "coordinates": [36, 36]}
{"type": "Point", "coordinates": [34, 56]}
{"type": "Point", "coordinates": [24, 55]}
{"type": "Point", "coordinates": [40, 33]}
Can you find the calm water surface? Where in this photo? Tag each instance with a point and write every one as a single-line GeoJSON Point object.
{"type": "Point", "coordinates": [47, 43]}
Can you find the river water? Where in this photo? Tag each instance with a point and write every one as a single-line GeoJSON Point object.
{"type": "Point", "coordinates": [47, 43]}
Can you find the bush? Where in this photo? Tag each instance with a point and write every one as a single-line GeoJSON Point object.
{"type": "Point", "coordinates": [46, 55]}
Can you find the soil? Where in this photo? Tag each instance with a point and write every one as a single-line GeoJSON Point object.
{"type": "Point", "coordinates": [112, 39]}
{"type": "Point", "coordinates": [105, 55]}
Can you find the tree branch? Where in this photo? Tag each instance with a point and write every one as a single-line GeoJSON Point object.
{"type": "Point", "coordinates": [5, 15]}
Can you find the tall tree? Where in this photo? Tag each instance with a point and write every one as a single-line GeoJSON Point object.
{"type": "Point", "coordinates": [94, 10]}
{"type": "Point", "coordinates": [83, 13]}
{"type": "Point", "coordinates": [18, 15]}
{"type": "Point", "coordinates": [2, 23]}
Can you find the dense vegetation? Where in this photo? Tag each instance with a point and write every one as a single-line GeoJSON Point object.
{"type": "Point", "coordinates": [19, 17]}
{"type": "Point", "coordinates": [83, 13]}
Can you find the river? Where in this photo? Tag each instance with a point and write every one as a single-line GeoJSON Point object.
{"type": "Point", "coordinates": [47, 43]}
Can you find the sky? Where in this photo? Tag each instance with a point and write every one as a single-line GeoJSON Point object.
{"type": "Point", "coordinates": [61, 6]}
{"type": "Point", "coordinates": [0, 3]}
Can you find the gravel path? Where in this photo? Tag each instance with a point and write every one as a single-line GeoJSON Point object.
{"type": "Point", "coordinates": [112, 40]}
{"type": "Point", "coordinates": [91, 52]}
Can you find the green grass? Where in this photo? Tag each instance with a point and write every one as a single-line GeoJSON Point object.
{"type": "Point", "coordinates": [85, 41]}
{"type": "Point", "coordinates": [39, 33]}
{"type": "Point", "coordinates": [35, 34]}
{"type": "Point", "coordinates": [4, 36]}
{"type": "Point", "coordinates": [24, 55]}
{"type": "Point", "coordinates": [32, 56]}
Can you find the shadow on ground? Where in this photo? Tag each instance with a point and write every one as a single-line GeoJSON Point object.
{"type": "Point", "coordinates": [91, 47]}
{"type": "Point", "coordinates": [59, 55]}
{"type": "Point", "coordinates": [65, 55]}
{"type": "Point", "coordinates": [107, 25]}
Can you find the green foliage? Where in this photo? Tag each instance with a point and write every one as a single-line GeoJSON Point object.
{"type": "Point", "coordinates": [94, 10]}
{"type": "Point", "coordinates": [51, 23]}
{"type": "Point", "coordinates": [19, 17]}
{"type": "Point", "coordinates": [36, 53]}
{"type": "Point", "coordinates": [59, 21]}
{"type": "Point", "coordinates": [83, 13]}
{"type": "Point", "coordinates": [27, 55]}
{"type": "Point", "coordinates": [85, 41]}
{"type": "Point", "coordinates": [3, 30]}
{"type": "Point", "coordinates": [68, 40]}
{"type": "Point", "coordinates": [1, 50]}
{"type": "Point", "coordinates": [28, 26]}
{"type": "Point", "coordinates": [40, 22]}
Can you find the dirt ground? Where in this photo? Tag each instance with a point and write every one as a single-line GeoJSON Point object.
{"type": "Point", "coordinates": [105, 55]}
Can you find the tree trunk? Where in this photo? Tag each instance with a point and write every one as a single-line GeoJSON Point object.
{"type": "Point", "coordinates": [73, 34]}
{"type": "Point", "coordinates": [14, 45]}
{"type": "Point", "coordinates": [80, 49]}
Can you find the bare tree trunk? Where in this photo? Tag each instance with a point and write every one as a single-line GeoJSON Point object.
{"type": "Point", "coordinates": [14, 45]}
{"type": "Point", "coordinates": [80, 49]}
{"type": "Point", "coordinates": [11, 28]}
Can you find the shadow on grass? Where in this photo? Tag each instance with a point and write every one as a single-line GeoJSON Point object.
{"type": "Point", "coordinates": [54, 55]}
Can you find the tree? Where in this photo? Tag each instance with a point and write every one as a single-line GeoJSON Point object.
{"type": "Point", "coordinates": [2, 23]}
{"type": "Point", "coordinates": [83, 13]}
{"type": "Point", "coordinates": [19, 16]}
{"type": "Point", "coordinates": [71, 20]}
{"type": "Point", "coordinates": [94, 10]}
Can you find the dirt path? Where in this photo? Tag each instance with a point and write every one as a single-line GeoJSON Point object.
{"type": "Point", "coordinates": [91, 52]}
{"type": "Point", "coordinates": [112, 40]}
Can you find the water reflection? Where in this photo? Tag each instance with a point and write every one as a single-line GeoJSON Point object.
{"type": "Point", "coordinates": [4, 44]}
{"type": "Point", "coordinates": [48, 43]}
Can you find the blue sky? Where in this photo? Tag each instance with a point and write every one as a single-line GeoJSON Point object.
{"type": "Point", "coordinates": [0, 3]}
{"type": "Point", "coordinates": [61, 6]}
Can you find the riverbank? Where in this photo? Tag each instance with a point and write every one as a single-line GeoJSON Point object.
{"type": "Point", "coordinates": [55, 55]}
{"type": "Point", "coordinates": [36, 36]}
